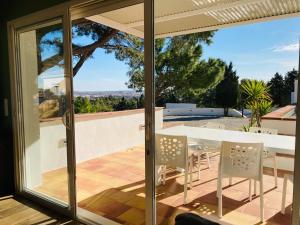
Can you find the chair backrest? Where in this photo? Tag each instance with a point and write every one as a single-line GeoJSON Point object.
{"type": "Point", "coordinates": [244, 160]}
{"type": "Point", "coordinates": [204, 144]}
{"type": "Point", "coordinates": [263, 130]}
{"type": "Point", "coordinates": [214, 125]}
{"type": "Point", "coordinates": [171, 150]}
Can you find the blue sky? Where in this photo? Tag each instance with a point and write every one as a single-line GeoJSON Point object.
{"type": "Point", "coordinates": [257, 52]}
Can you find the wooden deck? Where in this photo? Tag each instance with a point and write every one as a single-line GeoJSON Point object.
{"type": "Point", "coordinates": [15, 211]}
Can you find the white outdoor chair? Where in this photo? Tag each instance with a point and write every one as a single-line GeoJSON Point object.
{"type": "Point", "coordinates": [199, 147]}
{"type": "Point", "coordinates": [243, 160]}
{"type": "Point", "coordinates": [267, 154]}
{"type": "Point", "coordinates": [206, 147]}
{"type": "Point", "coordinates": [213, 125]}
{"type": "Point", "coordinates": [172, 151]}
{"type": "Point", "coordinates": [285, 181]}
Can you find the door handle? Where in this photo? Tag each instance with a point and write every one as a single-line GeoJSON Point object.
{"type": "Point", "coordinates": [66, 119]}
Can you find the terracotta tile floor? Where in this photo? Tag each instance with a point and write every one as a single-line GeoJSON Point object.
{"type": "Point", "coordinates": [113, 186]}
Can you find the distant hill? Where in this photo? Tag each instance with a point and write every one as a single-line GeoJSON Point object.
{"type": "Point", "coordinates": [93, 94]}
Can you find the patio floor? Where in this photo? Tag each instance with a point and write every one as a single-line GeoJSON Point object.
{"type": "Point", "coordinates": [113, 186]}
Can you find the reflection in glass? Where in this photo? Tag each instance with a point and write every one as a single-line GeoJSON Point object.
{"type": "Point", "coordinates": [44, 106]}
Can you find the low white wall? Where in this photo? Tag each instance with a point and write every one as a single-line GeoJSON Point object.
{"type": "Point", "coordinates": [53, 147]}
{"type": "Point", "coordinates": [94, 138]}
{"type": "Point", "coordinates": [181, 106]}
{"type": "Point", "coordinates": [200, 112]}
{"type": "Point", "coordinates": [104, 136]}
{"type": "Point", "coordinates": [247, 112]}
{"type": "Point", "coordinates": [286, 127]}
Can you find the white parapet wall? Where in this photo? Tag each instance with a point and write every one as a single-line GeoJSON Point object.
{"type": "Point", "coordinates": [181, 106]}
{"type": "Point", "coordinates": [96, 135]}
{"type": "Point", "coordinates": [200, 112]}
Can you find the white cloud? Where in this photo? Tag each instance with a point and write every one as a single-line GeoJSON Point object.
{"type": "Point", "coordinates": [287, 48]}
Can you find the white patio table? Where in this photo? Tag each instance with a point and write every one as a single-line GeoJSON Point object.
{"type": "Point", "coordinates": [280, 144]}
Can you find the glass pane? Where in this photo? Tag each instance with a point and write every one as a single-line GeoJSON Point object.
{"type": "Point", "coordinates": [207, 82]}
{"type": "Point", "coordinates": [109, 117]}
{"type": "Point", "coordinates": [44, 105]}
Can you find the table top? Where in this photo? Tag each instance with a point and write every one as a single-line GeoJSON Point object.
{"type": "Point", "coordinates": [281, 144]}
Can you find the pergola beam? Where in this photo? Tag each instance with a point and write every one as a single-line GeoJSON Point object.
{"type": "Point", "coordinates": [119, 26]}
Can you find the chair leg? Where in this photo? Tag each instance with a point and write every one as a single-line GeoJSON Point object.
{"type": "Point", "coordinates": [185, 185]}
{"type": "Point", "coordinates": [207, 159]}
{"type": "Point", "coordinates": [275, 170]}
{"type": "Point", "coordinates": [199, 158]}
{"type": "Point", "coordinates": [250, 191]}
{"type": "Point", "coordinates": [261, 189]}
{"type": "Point", "coordinates": [284, 194]}
{"type": "Point", "coordinates": [191, 172]}
{"type": "Point", "coordinates": [255, 188]}
{"type": "Point", "coordinates": [219, 195]}
{"type": "Point", "coordinates": [164, 174]}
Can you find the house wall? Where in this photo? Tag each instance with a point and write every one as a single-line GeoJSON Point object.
{"type": "Point", "coordinates": [285, 127]}
{"type": "Point", "coordinates": [294, 93]}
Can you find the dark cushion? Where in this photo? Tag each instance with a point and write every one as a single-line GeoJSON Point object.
{"type": "Point", "coordinates": [192, 219]}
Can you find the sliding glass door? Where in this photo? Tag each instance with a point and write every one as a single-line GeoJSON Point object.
{"type": "Point", "coordinates": [121, 176]}
{"type": "Point", "coordinates": [44, 117]}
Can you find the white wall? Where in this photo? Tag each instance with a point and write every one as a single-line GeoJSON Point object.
{"type": "Point", "coordinates": [94, 138]}
{"type": "Point", "coordinates": [286, 127]}
{"type": "Point", "coordinates": [200, 112]}
{"type": "Point", "coordinates": [53, 146]}
{"type": "Point", "coordinates": [181, 106]}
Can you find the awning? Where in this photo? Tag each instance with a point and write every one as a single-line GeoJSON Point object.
{"type": "Point", "coordinates": [177, 17]}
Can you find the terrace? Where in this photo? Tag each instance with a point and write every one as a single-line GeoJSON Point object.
{"type": "Point", "coordinates": [112, 185]}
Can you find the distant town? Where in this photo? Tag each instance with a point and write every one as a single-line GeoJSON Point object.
{"type": "Point", "coordinates": [95, 94]}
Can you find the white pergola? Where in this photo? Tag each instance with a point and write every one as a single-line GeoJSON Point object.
{"type": "Point", "coordinates": [177, 17]}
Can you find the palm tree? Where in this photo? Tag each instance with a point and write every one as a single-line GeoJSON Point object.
{"type": "Point", "coordinates": [257, 99]}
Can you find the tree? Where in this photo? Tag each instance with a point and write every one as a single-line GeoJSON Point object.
{"type": "Point", "coordinates": [208, 98]}
{"type": "Point", "coordinates": [180, 73]}
{"type": "Point", "coordinates": [278, 90]}
{"type": "Point", "coordinates": [126, 104]}
{"type": "Point", "coordinates": [82, 105]}
{"type": "Point", "coordinates": [141, 102]}
{"type": "Point", "coordinates": [95, 36]}
{"type": "Point", "coordinates": [281, 87]}
{"type": "Point", "coordinates": [257, 99]}
{"type": "Point", "coordinates": [227, 91]}
{"type": "Point", "coordinates": [179, 70]}
{"type": "Point", "coordinates": [242, 96]}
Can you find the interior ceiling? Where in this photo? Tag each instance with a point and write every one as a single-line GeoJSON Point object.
{"type": "Point", "coordinates": [177, 17]}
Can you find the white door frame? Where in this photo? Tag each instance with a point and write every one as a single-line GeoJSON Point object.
{"type": "Point", "coordinates": [15, 27]}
